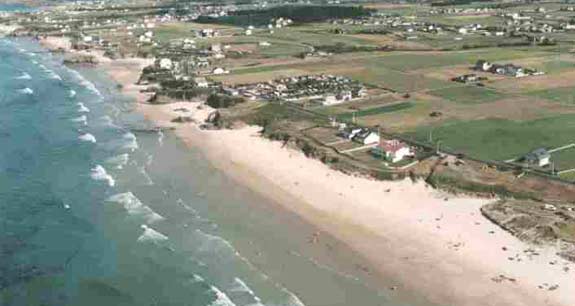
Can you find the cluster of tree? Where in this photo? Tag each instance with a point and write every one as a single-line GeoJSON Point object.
{"type": "Point", "coordinates": [456, 2]}
{"type": "Point", "coordinates": [374, 31]}
{"type": "Point", "coordinates": [223, 101]}
{"type": "Point", "coordinates": [297, 13]}
{"type": "Point", "coordinates": [343, 48]}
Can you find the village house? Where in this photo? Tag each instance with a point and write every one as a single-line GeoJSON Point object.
{"type": "Point", "coordinates": [201, 82]}
{"type": "Point", "coordinates": [468, 78]}
{"type": "Point", "coordinates": [539, 157]}
{"type": "Point", "coordinates": [367, 137]}
{"type": "Point", "coordinates": [350, 133]}
{"type": "Point", "coordinates": [392, 150]}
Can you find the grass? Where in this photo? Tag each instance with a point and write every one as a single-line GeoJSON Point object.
{"type": "Point", "coordinates": [564, 95]}
{"type": "Point", "coordinates": [395, 80]}
{"type": "Point", "coordinates": [411, 61]}
{"type": "Point", "coordinates": [377, 110]}
{"type": "Point", "coordinates": [501, 139]}
{"type": "Point", "coordinates": [556, 66]}
{"type": "Point", "coordinates": [569, 176]}
{"type": "Point", "coordinates": [313, 37]}
{"type": "Point", "coordinates": [468, 94]}
{"type": "Point", "coordinates": [564, 159]}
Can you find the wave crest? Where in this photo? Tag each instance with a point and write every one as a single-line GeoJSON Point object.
{"type": "Point", "coordinates": [135, 207]}
{"type": "Point", "coordinates": [99, 173]}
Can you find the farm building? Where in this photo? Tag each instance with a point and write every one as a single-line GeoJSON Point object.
{"type": "Point", "coordinates": [393, 150]}
{"type": "Point", "coordinates": [366, 137]}
{"type": "Point", "coordinates": [539, 157]}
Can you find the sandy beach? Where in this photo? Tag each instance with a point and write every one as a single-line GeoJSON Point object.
{"type": "Point", "coordinates": [422, 240]}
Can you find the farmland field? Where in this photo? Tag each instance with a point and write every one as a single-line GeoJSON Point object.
{"type": "Point", "coordinates": [565, 95]}
{"type": "Point", "coordinates": [564, 159]}
{"type": "Point", "coordinates": [377, 110]}
{"type": "Point", "coordinates": [468, 94]}
{"type": "Point", "coordinates": [500, 139]}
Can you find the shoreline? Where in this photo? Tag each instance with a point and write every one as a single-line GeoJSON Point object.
{"type": "Point", "coordinates": [408, 231]}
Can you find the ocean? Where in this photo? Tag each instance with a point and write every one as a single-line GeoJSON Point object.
{"type": "Point", "coordinates": [97, 208]}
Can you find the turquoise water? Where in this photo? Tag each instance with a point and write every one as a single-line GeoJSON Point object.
{"type": "Point", "coordinates": [95, 209]}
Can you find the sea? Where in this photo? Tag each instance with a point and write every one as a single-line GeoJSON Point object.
{"type": "Point", "coordinates": [98, 208]}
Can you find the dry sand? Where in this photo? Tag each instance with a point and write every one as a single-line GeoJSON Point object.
{"type": "Point", "coordinates": [423, 240]}
{"type": "Point", "coordinates": [426, 241]}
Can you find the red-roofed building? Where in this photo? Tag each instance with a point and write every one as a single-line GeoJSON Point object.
{"type": "Point", "coordinates": [393, 150]}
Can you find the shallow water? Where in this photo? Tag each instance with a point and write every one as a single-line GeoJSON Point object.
{"type": "Point", "coordinates": [93, 211]}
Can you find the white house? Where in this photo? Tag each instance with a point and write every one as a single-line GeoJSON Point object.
{"type": "Point", "coordinates": [201, 82]}
{"type": "Point", "coordinates": [394, 150]}
{"type": "Point", "coordinates": [539, 157]}
{"type": "Point", "coordinates": [367, 137]}
{"type": "Point", "coordinates": [219, 70]}
{"type": "Point", "coordinates": [165, 63]}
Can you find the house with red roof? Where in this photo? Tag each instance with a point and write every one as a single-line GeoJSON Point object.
{"type": "Point", "coordinates": [393, 150]}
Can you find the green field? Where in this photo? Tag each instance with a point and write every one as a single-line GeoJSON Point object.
{"type": "Point", "coordinates": [395, 80]}
{"type": "Point", "coordinates": [500, 139]}
{"type": "Point", "coordinates": [569, 176]}
{"type": "Point", "coordinates": [377, 110]}
{"type": "Point", "coordinates": [564, 95]}
{"type": "Point", "coordinates": [410, 61]}
{"type": "Point", "coordinates": [564, 159]}
{"type": "Point", "coordinates": [555, 66]}
{"type": "Point", "coordinates": [468, 94]}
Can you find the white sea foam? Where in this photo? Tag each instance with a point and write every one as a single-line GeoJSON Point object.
{"type": "Point", "coordinates": [72, 93]}
{"type": "Point", "coordinates": [84, 82]}
{"type": "Point", "coordinates": [131, 142]}
{"type": "Point", "coordinates": [241, 286]}
{"type": "Point", "coordinates": [107, 120]}
{"type": "Point", "coordinates": [87, 137]}
{"type": "Point", "coordinates": [145, 174]}
{"type": "Point", "coordinates": [293, 299]}
{"type": "Point", "coordinates": [198, 279]}
{"type": "Point", "coordinates": [24, 76]}
{"type": "Point", "coordinates": [53, 75]}
{"type": "Point", "coordinates": [119, 160]}
{"type": "Point", "coordinates": [82, 108]}
{"type": "Point", "coordinates": [99, 173]}
{"type": "Point", "coordinates": [221, 298]}
{"type": "Point", "coordinates": [160, 137]}
{"type": "Point", "coordinates": [151, 235]}
{"type": "Point", "coordinates": [26, 90]}
{"type": "Point", "coordinates": [83, 119]}
{"type": "Point", "coordinates": [135, 207]}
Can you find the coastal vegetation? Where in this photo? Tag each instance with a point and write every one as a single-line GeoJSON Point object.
{"type": "Point", "coordinates": [297, 13]}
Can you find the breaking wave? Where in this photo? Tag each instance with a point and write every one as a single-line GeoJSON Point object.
{"type": "Point", "coordinates": [221, 298]}
{"type": "Point", "coordinates": [24, 76]}
{"type": "Point", "coordinates": [87, 137]}
{"type": "Point", "coordinates": [99, 173]}
{"type": "Point", "coordinates": [84, 82]}
{"type": "Point", "coordinates": [151, 235]}
{"type": "Point", "coordinates": [53, 75]}
{"type": "Point", "coordinates": [83, 119]}
{"type": "Point", "coordinates": [135, 207]}
{"type": "Point", "coordinates": [131, 142]}
{"type": "Point", "coordinates": [119, 160]}
{"type": "Point", "coordinates": [241, 286]}
{"type": "Point", "coordinates": [26, 90]}
{"type": "Point", "coordinates": [82, 108]}
{"type": "Point", "coordinates": [72, 93]}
